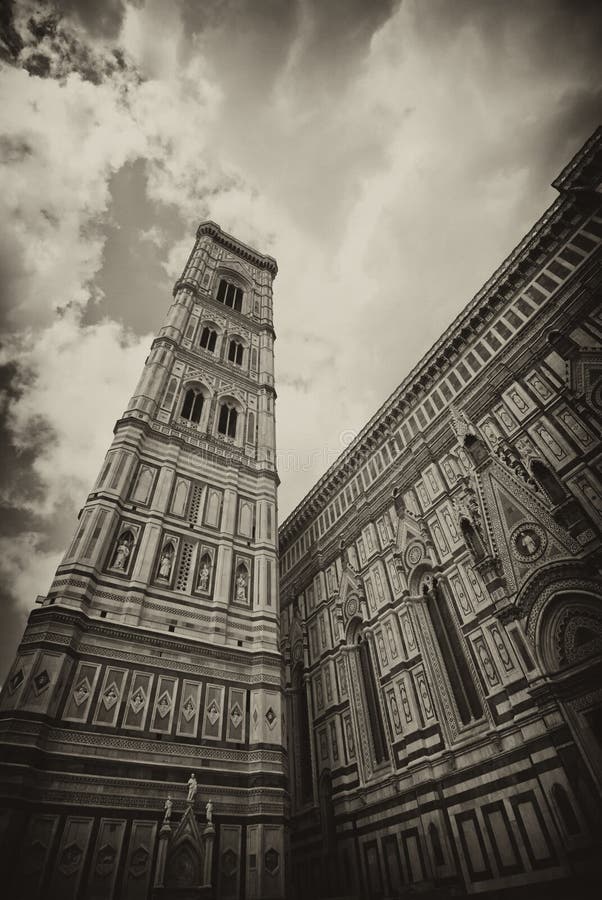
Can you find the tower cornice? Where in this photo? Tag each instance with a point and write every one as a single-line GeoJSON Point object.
{"type": "Point", "coordinates": [261, 260]}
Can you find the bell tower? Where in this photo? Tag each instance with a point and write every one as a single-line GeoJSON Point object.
{"type": "Point", "coordinates": [155, 653]}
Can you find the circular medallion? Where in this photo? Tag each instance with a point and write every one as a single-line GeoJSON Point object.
{"type": "Point", "coordinates": [351, 607]}
{"type": "Point", "coordinates": [528, 541]}
{"type": "Point", "coordinates": [414, 555]}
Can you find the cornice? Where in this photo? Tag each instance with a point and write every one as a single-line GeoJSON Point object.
{"type": "Point", "coordinates": [130, 635]}
{"type": "Point", "coordinates": [261, 260]}
{"type": "Point", "coordinates": [470, 322]}
{"type": "Point", "coordinates": [238, 461]}
{"type": "Point", "coordinates": [437, 439]}
{"type": "Point", "coordinates": [571, 177]}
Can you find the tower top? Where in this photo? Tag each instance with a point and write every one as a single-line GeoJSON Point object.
{"type": "Point", "coordinates": [261, 260]}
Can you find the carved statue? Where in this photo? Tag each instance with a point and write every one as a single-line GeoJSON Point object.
{"type": "Point", "coordinates": [209, 812]}
{"type": "Point", "coordinates": [165, 566]}
{"type": "Point", "coordinates": [167, 807]}
{"type": "Point", "coordinates": [511, 457]}
{"type": "Point", "coordinates": [241, 587]}
{"type": "Point", "coordinates": [461, 424]}
{"type": "Point", "coordinates": [192, 788]}
{"type": "Point", "coordinates": [204, 577]}
{"type": "Point", "coordinates": [121, 555]}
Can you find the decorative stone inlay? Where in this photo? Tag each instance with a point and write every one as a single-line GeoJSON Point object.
{"type": "Point", "coordinates": [270, 718]}
{"type": "Point", "coordinates": [164, 704]}
{"type": "Point", "coordinates": [528, 541]}
{"type": "Point", "coordinates": [105, 860]}
{"type": "Point", "coordinates": [110, 696]}
{"type": "Point", "coordinates": [15, 681]}
{"type": "Point", "coordinates": [229, 862]}
{"type": "Point", "coordinates": [189, 708]}
{"type": "Point", "coordinates": [70, 858]}
{"type": "Point", "coordinates": [272, 860]}
{"type": "Point", "coordinates": [213, 712]}
{"type": "Point", "coordinates": [139, 861]}
{"type": "Point", "coordinates": [414, 555]}
{"type": "Point", "coordinates": [41, 682]}
{"type": "Point", "coordinates": [138, 700]}
{"type": "Point", "coordinates": [351, 607]}
{"type": "Point", "coordinates": [236, 715]}
{"type": "Point", "coordinates": [82, 692]}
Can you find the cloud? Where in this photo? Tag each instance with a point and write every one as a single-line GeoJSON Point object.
{"type": "Point", "coordinates": [71, 390]}
{"type": "Point", "coordinates": [389, 155]}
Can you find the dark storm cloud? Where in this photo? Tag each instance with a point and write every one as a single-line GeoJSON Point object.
{"type": "Point", "coordinates": [357, 141]}
{"type": "Point", "coordinates": [250, 41]}
{"type": "Point", "coordinates": [100, 18]}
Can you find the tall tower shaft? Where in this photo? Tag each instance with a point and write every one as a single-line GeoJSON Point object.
{"type": "Point", "coordinates": [155, 652]}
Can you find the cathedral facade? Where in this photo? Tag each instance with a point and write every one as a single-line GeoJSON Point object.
{"type": "Point", "coordinates": [141, 721]}
{"type": "Point", "coordinates": [441, 600]}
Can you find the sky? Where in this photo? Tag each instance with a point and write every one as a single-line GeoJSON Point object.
{"type": "Point", "coordinates": [388, 154]}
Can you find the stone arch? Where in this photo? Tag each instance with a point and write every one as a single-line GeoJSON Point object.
{"type": "Point", "coordinates": [418, 577]}
{"type": "Point", "coordinates": [354, 630]}
{"type": "Point", "coordinates": [557, 577]}
{"type": "Point", "coordinates": [569, 630]}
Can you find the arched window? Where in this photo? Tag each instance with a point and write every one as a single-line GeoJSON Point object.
{"type": "Point", "coordinates": [327, 810]}
{"type": "Point", "coordinates": [460, 678]}
{"type": "Point", "coordinates": [302, 736]}
{"type": "Point", "coordinates": [372, 701]}
{"type": "Point", "coordinates": [170, 393]}
{"type": "Point", "coordinates": [230, 294]}
{"type": "Point", "coordinates": [565, 808]}
{"type": "Point", "coordinates": [192, 406]}
{"type": "Point", "coordinates": [227, 420]}
{"type": "Point", "coordinates": [472, 539]}
{"type": "Point", "coordinates": [548, 480]}
{"type": "Point", "coordinates": [438, 857]}
{"type": "Point", "coordinates": [208, 338]}
{"type": "Point", "coordinates": [235, 352]}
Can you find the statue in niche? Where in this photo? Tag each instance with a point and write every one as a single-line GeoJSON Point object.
{"type": "Point", "coordinates": [204, 576]}
{"type": "Point", "coordinates": [122, 552]}
{"type": "Point", "coordinates": [167, 807]}
{"type": "Point", "coordinates": [209, 812]}
{"type": "Point", "coordinates": [192, 788]}
{"type": "Point", "coordinates": [241, 586]}
{"type": "Point", "coordinates": [165, 564]}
